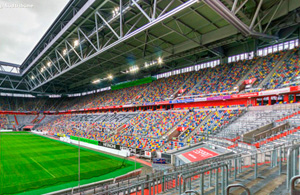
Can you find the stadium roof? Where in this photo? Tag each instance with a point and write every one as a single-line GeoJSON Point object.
{"type": "Point", "coordinates": [90, 39]}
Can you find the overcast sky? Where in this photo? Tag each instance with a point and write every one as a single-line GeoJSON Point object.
{"type": "Point", "coordinates": [22, 28]}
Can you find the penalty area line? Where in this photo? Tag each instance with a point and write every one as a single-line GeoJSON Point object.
{"type": "Point", "coordinates": [43, 167]}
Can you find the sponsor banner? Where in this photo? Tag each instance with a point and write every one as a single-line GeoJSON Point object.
{"type": "Point", "coordinates": [163, 102]}
{"type": "Point", "coordinates": [294, 88]}
{"type": "Point", "coordinates": [200, 99]}
{"type": "Point", "coordinates": [182, 101]}
{"type": "Point", "coordinates": [149, 104]}
{"type": "Point", "coordinates": [189, 100]}
{"type": "Point", "coordinates": [87, 109]}
{"type": "Point", "coordinates": [219, 98]}
{"type": "Point", "coordinates": [108, 107]}
{"type": "Point", "coordinates": [250, 81]}
{"type": "Point", "coordinates": [109, 145]}
{"type": "Point", "coordinates": [274, 92]}
{"type": "Point", "coordinates": [199, 154]}
{"type": "Point", "coordinates": [159, 161]}
{"type": "Point", "coordinates": [245, 95]}
{"type": "Point", "coordinates": [128, 105]}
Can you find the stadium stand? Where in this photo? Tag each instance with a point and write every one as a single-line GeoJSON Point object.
{"type": "Point", "coordinates": [162, 89]}
{"type": "Point", "coordinates": [222, 78]}
{"type": "Point", "coordinates": [156, 97]}
{"type": "Point", "coordinates": [286, 73]}
{"type": "Point", "coordinates": [3, 121]}
{"type": "Point", "coordinates": [266, 65]}
{"type": "Point", "coordinates": [234, 128]}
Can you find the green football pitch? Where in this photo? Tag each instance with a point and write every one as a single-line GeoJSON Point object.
{"type": "Point", "coordinates": [32, 164]}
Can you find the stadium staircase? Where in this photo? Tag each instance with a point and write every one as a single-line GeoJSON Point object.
{"type": "Point", "coordinates": [137, 97]}
{"type": "Point", "coordinates": [249, 121]}
{"type": "Point", "coordinates": [189, 92]}
{"type": "Point", "coordinates": [170, 133]}
{"type": "Point", "coordinates": [58, 103]}
{"type": "Point", "coordinates": [259, 62]}
{"type": "Point", "coordinates": [197, 128]}
{"type": "Point", "coordinates": [39, 104]}
{"type": "Point", "coordinates": [278, 64]}
{"type": "Point", "coordinates": [11, 121]}
{"type": "Point", "coordinates": [41, 119]}
{"type": "Point", "coordinates": [120, 128]}
{"type": "Point", "coordinates": [36, 119]}
{"type": "Point", "coordinates": [174, 95]}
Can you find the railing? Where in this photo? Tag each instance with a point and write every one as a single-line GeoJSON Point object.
{"type": "Point", "coordinates": [292, 158]}
{"type": "Point", "coordinates": [237, 186]}
{"type": "Point", "coordinates": [213, 170]}
{"type": "Point", "coordinates": [292, 182]}
{"type": "Point", "coordinates": [213, 175]}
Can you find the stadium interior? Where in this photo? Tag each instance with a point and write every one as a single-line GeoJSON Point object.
{"type": "Point", "coordinates": [156, 97]}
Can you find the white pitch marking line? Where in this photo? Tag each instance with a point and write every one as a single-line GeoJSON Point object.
{"type": "Point", "coordinates": [43, 167]}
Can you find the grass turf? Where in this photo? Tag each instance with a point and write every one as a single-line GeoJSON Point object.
{"type": "Point", "coordinates": [34, 164]}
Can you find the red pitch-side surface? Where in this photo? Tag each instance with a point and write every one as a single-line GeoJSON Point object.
{"type": "Point", "coordinates": [199, 154]}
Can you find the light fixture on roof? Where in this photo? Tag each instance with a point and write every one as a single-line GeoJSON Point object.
{"type": "Point", "coordinates": [159, 60]}
{"type": "Point", "coordinates": [32, 77]}
{"type": "Point", "coordinates": [64, 52]}
{"type": "Point", "coordinates": [110, 77]}
{"type": "Point", "coordinates": [76, 43]}
{"type": "Point", "coordinates": [115, 11]}
{"type": "Point", "coordinates": [96, 81]}
{"type": "Point", "coordinates": [48, 64]}
{"type": "Point", "coordinates": [134, 68]}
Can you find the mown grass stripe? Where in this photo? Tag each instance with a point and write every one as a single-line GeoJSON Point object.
{"type": "Point", "coordinates": [25, 159]}
{"type": "Point", "coordinates": [42, 167]}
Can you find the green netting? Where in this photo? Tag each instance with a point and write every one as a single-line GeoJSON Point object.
{"type": "Point", "coordinates": [133, 83]}
{"type": "Point", "coordinates": [90, 141]}
{"type": "Point", "coordinates": [34, 164]}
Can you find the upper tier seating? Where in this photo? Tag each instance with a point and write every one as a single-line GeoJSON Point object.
{"type": "Point", "coordinates": [265, 67]}
{"type": "Point", "coordinates": [219, 80]}
{"type": "Point", "coordinates": [162, 89]}
{"type": "Point", "coordinates": [194, 79]}
{"type": "Point", "coordinates": [286, 73]}
{"type": "Point", "coordinates": [223, 78]}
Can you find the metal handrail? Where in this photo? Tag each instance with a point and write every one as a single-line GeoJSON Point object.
{"type": "Point", "coordinates": [289, 159]}
{"type": "Point", "coordinates": [292, 185]}
{"type": "Point", "coordinates": [202, 172]}
{"type": "Point", "coordinates": [191, 191]}
{"type": "Point", "coordinates": [181, 176]}
{"type": "Point", "coordinates": [237, 186]}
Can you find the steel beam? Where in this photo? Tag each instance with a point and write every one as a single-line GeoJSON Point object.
{"type": "Point", "coordinates": [126, 37]}
{"type": "Point", "coordinates": [223, 11]}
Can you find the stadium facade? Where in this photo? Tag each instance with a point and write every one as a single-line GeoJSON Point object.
{"type": "Point", "coordinates": [206, 93]}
